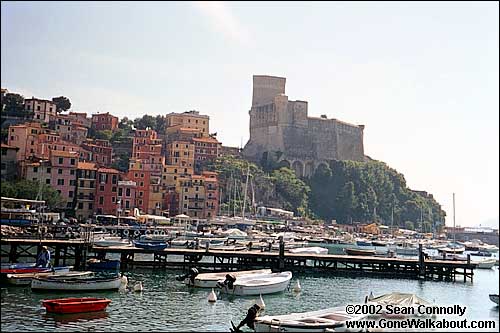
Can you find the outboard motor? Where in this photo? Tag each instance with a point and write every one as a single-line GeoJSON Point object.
{"type": "Point", "coordinates": [249, 319]}
{"type": "Point", "coordinates": [191, 274]}
{"type": "Point", "coordinates": [229, 282]}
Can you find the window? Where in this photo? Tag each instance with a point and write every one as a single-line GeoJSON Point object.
{"type": "Point", "coordinates": [72, 182]}
{"type": "Point", "coordinates": [175, 170]}
{"type": "Point", "coordinates": [61, 160]}
{"type": "Point", "coordinates": [185, 206]}
{"type": "Point", "coordinates": [127, 192]}
{"type": "Point", "coordinates": [60, 182]}
{"type": "Point", "coordinates": [92, 184]}
{"type": "Point", "coordinates": [70, 194]}
{"type": "Point", "coordinates": [113, 189]}
{"type": "Point", "coordinates": [35, 169]}
{"type": "Point", "coordinates": [120, 192]}
{"type": "Point", "coordinates": [101, 188]}
{"type": "Point", "coordinates": [101, 200]}
{"type": "Point", "coordinates": [185, 197]}
{"type": "Point", "coordinates": [112, 199]}
{"type": "Point", "coordinates": [68, 205]}
{"type": "Point", "coordinates": [47, 181]}
{"type": "Point", "coordinates": [127, 204]}
{"type": "Point", "coordinates": [140, 202]}
{"type": "Point", "coordinates": [141, 193]}
{"type": "Point", "coordinates": [72, 171]}
{"type": "Point", "coordinates": [91, 206]}
{"type": "Point", "coordinates": [141, 184]}
{"type": "Point", "coordinates": [80, 205]}
{"type": "Point", "coordinates": [49, 170]}
{"type": "Point", "coordinates": [185, 189]}
{"type": "Point", "coordinates": [72, 161]}
{"type": "Point", "coordinates": [34, 179]}
{"type": "Point", "coordinates": [59, 171]}
{"type": "Point", "coordinates": [82, 183]}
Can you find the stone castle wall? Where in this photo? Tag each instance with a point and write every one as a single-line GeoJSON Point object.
{"type": "Point", "coordinates": [277, 124]}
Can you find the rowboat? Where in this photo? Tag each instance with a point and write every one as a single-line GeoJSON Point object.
{"type": "Point", "coordinates": [309, 250]}
{"type": "Point", "coordinates": [17, 265]}
{"type": "Point", "coordinates": [76, 305]}
{"type": "Point", "coordinates": [326, 320]}
{"type": "Point", "coordinates": [150, 245]}
{"type": "Point", "coordinates": [90, 284]}
{"type": "Point", "coordinates": [358, 252]}
{"type": "Point", "coordinates": [27, 270]}
{"type": "Point", "coordinates": [402, 300]}
{"type": "Point", "coordinates": [103, 265]}
{"type": "Point", "coordinates": [209, 280]}
{"type": "Point", "coordinates": [256, 284]}
{"type": "Point", "coordinates": [494, 298]}
{"type": "Point", "coordinates": [25, 279]}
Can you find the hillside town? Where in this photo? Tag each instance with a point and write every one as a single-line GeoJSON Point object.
{"type": "Point", "coordinates": [56, 148]}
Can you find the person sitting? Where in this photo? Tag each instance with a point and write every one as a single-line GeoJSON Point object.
{"type": "Point", "coordinates": [43, 259]}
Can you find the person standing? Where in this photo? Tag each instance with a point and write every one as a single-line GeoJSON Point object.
{"type": "Point", "coordinates": [43, 259]}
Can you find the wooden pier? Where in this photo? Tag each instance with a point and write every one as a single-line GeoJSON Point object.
{"type": "Point", "coordinates": [212, 259]}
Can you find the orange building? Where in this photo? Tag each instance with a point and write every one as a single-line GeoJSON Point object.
{"type": "Point", "coordinates": [189, 119]}
{"type": "Point", "coordinates": [180, 153]}
{"type": "Point", "coordinates": [104, 121]}
{"type": "Point", "coordinates": [207, 148]}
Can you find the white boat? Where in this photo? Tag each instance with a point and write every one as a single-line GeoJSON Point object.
{"type": "Point", "coordinates": [25, 278]}
{"type": "Point", "coordinates": [76, 284]}
{"type": "Point", "coordinates": [485, 263]}
{"type": "Point", "coordinates": [309, 250]}
{"type": "Point", "coordinates": [326, 320]}
{"type": "Point", "coordinates": [256, 284]}
{"type": "Point", "coordinates": [209, 280]}
{"type": "Point", "coordinates": [235, 234]}
{"type": "Point", "coordinates": [494, 298]}
{"type": "Point", "coordinates": [112, 241]}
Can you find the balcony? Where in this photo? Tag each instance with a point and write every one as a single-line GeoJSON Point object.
{"type": "Point", "coordinates": [196, 199]}
{"type": "Point", "coordinates": [195, 208]}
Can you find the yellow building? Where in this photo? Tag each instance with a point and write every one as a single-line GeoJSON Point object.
{"type": "Point", "coordinates": [192, 196]}
{"type": "Point", "coordinates": [181, 154]}
{"type": "Point", "coordinates": [189, 119]}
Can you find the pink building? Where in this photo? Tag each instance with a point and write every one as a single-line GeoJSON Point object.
{"type": "Point", "coordinates": [97, 151]}
{"type": "Point", "coordinates": [43, 109]}
{"type": "Point", "coordinates": [25, 137]}
{"type": "Point", "coordinates": [126, 197]}
{"type": "Point", "coordinates": [64, 166]}
{"type": "Point", "coordinates": [104, 121]}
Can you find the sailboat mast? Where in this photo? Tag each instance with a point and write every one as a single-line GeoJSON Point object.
{"type": "Point", "coordinates": [234, 199]}
{"type": "Point", "coordinates": [245, 197]}
{"type": "Point", "coordinates": [454, 218]}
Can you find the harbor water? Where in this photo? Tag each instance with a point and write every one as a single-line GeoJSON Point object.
{"type": "Point", "coordinates": [168, 305]}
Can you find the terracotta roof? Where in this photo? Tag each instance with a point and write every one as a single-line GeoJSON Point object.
{"type": "Point", "coordinates": [206, 139]}
{"type": "Point", "coordinates": [185, 129]}
{"type": "Point", "coordinates": [209, 173]}
{"type": "Point", "coordinates": [64, 153]}
{"type": "Point", "coordinates": [197, 177]}
{"type": "Point", "coordinates": [86, 166]}
{"type": "Point", "coordinates": [107, 170]}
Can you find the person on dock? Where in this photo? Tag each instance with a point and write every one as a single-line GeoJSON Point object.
{"type": "Point", "coordinates": [43, 259]}
{"type": "Point", "coordinates": [249, 319]}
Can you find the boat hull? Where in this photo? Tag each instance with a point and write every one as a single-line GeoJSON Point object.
{"type": "Point", "coordinates": [76, 284]}
{"type": "Point", "coordinates": [209, 280]}
{"type": "Point", "coordinates": [357, 252]}
{"type": "Point", "coordinates": [25, 279]}
{"type": "Point", "coordinates": [75, 305]}
{"type": "Point", "coordinates": [108, 265]}
{"type": "Point", "coordinates": [494, 298]}
{"type": "Point", "coordinates": [252, 286]}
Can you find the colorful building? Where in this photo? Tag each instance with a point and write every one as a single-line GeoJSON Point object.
{"type": "Point", "coordinates": [63, 174]}
{"type": "Point", "coordinates": [126, 197]}
{"type": "Point", "coordinates": [43, 110]}
{"type": "Point", "coordinates": [97, 151]}
{"type": "Point", "coordinates": [145, 144]}
{"type": "Point", "coordinates": [206, 148]}
{"type": "Point", "coordinates": [189, 119]}
{"type": "Point", "coordinates": [107, 191]}
{"type": "Point", "coordinates": [8, 162]}
{"type": "Point", "coordinates": [86, 190]}
{"type": "Point", "coordinates": [180, 153]}
{"type": "Point", "coordinates": [104, 121]}
{"type": "Point", "coordinates": [25, 137]}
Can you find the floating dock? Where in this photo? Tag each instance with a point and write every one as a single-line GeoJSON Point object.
{"type": "Point", "coordinates": [212, 259]}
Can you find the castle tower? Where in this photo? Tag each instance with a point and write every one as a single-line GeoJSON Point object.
{"type": "Point", "coordinates": [265, 88]}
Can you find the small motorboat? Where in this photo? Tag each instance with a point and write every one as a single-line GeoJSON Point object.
{"type": "Point", "coordinates": [111, 241]}
{"type": "Point", "coordinates": [378, 243]}
{"type": "Point", "coordinates": [486, 263]}
{"type": "Point", "coordinates": [150, 245]}
{"type": "Point", "coordinates": [257, 284]}
{"type": "Point", "coordinates": [309, 250]}
{"type": "Point", "coordinates": [454, 248]}
{"type": "Point", "coordinates": [76, 305]}
{"type": "Point", "coordinates": [209, 280]}
{"type": "Point", "coordinates": [17, 265]}
{"type": "Point", "coordinates": [494, 298]}
{"type": "Point", "coordinates": [25, 279]}
{"type": "Point", "coordinates": [35, 270]}
{"type": "Point", "coordinates": [363, 242]}
{"type": "Point", "coordinates": [359, 252]}
{"type": "Point", "coordinates": [403, 300]}
{"type": "Point", "coordinates": [76, 284]}
{"type": "Point", "coordinates": [481, 254]}
{"type": "Point", "coordinates": [326, 320]}
{"type": "Point", "coordinates": [103, 265]}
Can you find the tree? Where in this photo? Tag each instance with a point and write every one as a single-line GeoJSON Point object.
{"type": "Point", "coordinates": [62, 103]}
{"type": "Point", "coordinates": [13, 105]}
{"type": "Point", "coordinates": [409, 225]}
{"type": "Point", "coordinates": [27, 189]}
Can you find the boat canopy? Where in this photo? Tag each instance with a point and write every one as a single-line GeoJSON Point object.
{"type": "Point", "coordinates": [399, 299]}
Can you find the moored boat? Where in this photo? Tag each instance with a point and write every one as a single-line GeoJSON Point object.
{"type": "Point", "coordinates": [150, 245]}
{"type": "Point", "coordinates": [494, 298]}
{"type": "Point", "coordinates": [309, 250]}
{"type": "Point", "coordinates": [260, 284]}
{"type": "Point", "coordinates": [363, 242]}
{"type": "Point", "coordinates": [209, 280]}
{"type": "Point", "coordinates": [111, 241]}
{"type": "Point", "coordinates": [25, 279]}
{"type": "Point", "coordinates": [332, 319]}
{"type": "Point", "coordinates": [90, 284]}
{"type": "Point", "coordinates": [359, 252]}
{"type": "Point", "coordinates": [34, 270]}
{"type": "Point", "coordinates": [75, 305]}
{"type": "Point", "coordinates": [487, 263]}
{"type": "Point", "coordinates": [103, 265]}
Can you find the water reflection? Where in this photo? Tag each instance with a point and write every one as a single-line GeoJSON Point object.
{"type": "Point", "coordinates": [74, 317]}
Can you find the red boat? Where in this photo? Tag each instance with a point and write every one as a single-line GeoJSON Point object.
{"type": "Point", "coordinates": [24, 270]}
{"type": "Point", "coordinates": [76, 305]}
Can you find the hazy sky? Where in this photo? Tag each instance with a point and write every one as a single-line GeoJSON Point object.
{"type": "Point", "coordinates": [422, 77]}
